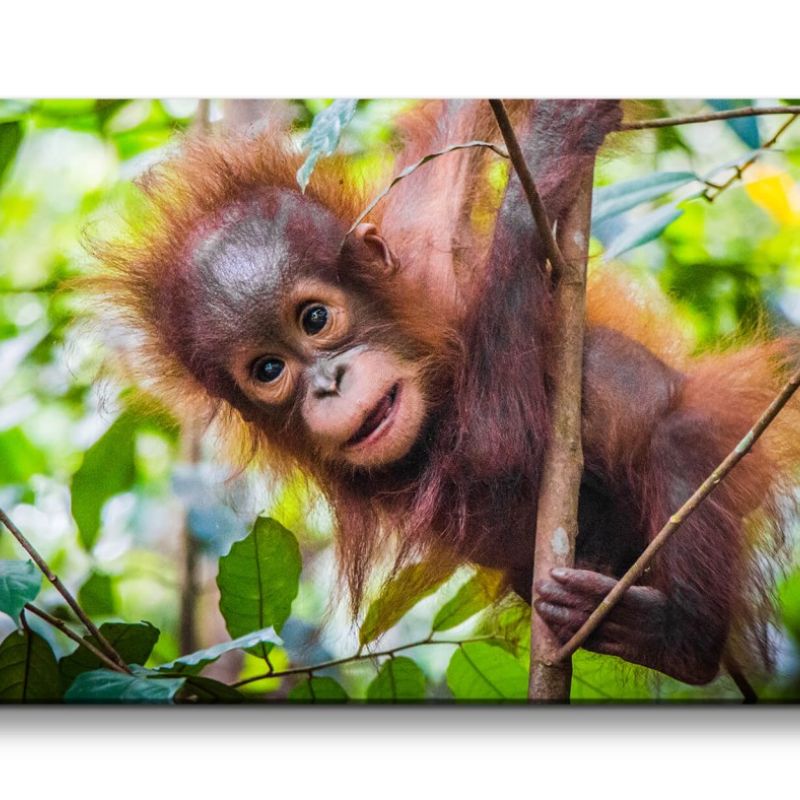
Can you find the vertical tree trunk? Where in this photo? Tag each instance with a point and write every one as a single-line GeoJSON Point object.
{"type": "Point", "coordinates": [557, 519]}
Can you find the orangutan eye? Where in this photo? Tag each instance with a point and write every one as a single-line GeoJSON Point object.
{"type": "Point", "coordinates": [268, 369]}
{"type": "Point", "coordinates": [314, 319]}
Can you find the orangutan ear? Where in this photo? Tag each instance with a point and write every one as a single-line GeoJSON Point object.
{"type": "Point", "coordinates": [368, 239]}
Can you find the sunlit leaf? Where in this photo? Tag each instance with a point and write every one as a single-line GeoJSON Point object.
{"type": "Point", "coordinates": [399, 680]}
{"type": "Point", "coordinates": [20, 582]}
{"type": "Point", "coordinates": [603, 679]}
{"type": "Point", "coordinates": [484, 672]}
{"type": "Point", "coordinates": [397, 597]}
{"type": "Point", "coordinates": [323, 137]}
{"type": "Point", "coordinates": [481, 590]}
{"type": "Point", "coordinates": [776, 192]}
{"type": "Point", "coordinates": [318, 690]}
{"type": "Point", "coordinates": [133, 641]}
{"type": "Point", "coordinates": [193, 663]}
{"type": "Point", "coordinates": [105, 686]}
{"type": "Point", "coordinates": [259, 579]}
{"type": "Point", "coordinates": [28, 669]}
{"type": "Point", "coordinates": [108, 469]}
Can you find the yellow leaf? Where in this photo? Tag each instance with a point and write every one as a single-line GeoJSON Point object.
{"type": "Point", "coordinates": [774, 191]}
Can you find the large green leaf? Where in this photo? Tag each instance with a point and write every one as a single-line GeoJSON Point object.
{"type": "Point", "coordinates": [323, 136]}
{"type": "Point", "coordinates": [610, 201]}
{"type": "Point", "coordinates": [397, 597]}
{"type": "Point", "coordinates": [643, 230]}
{"type": "Point", "coordinates": [599, 679]}
{"type": "Point", "coordinates": [318, 690]}
{"type": "Point", "coordinates": [20, 582]}
{"type": "Point", "coordinates": [193, 663]}
{"type": "Point", "coordinates": [484, 672]}
{"type": "Point", "coordinates": [28, 670]}
{"type": "Point", "coordinates": [105, 686]}
{"type": "Point", "coordinates": [96, 595]}
{"type": "Point", "coordinates": [133, 641]}
{"type": "Point", "coordinates": [259, 579]}
{"type": "Point", "coordinates": [10, 139]}
{"type": "Point", "coordinates": [481, 590]}
{"type": "Point", "coordinates": [398, 680]}
{"type": "Point", "coordinates": [108, 469]}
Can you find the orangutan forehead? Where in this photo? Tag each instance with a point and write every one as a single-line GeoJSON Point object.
{"type": "Point", "coordinates": [265, 245]}
{"type": "Point", "coordinates": [247, 263]}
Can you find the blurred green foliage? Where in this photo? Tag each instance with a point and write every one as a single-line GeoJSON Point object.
{"type": "Point", "coordinates": [98, 483]}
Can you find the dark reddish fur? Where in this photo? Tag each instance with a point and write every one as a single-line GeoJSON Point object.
{"type": "Point", "coordinates": [481, 325]}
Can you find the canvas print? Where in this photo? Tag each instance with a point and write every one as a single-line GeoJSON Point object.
{"type": "Point", "coordinates": [399, 401]}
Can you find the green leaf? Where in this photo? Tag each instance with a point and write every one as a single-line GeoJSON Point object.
{"type": "Point", "coordinates": [397, 597]}
{"type": "Point", "coordinates": [610, 201]}
{"type": "Point", "coordinates": [318, 690]}
{"type": "Point", "coordinates": [643, 230]}
{"type": "Point", "coordinates": [194, 662]}
{"type": "Point", "coordinates": [259, 579]}
{"type": "Point", "coordinates": [207, 690]}
{"type": "Point", "coordinates": [323, 137]}
{"type": "Point", "coordinates": [20, 582]}
{"type": "Point", "coordinates": [10, 139]}
{"type": "Point", "coordinates": [96, 596]}
{"type": "Point", "coordinates": [19, 457]}
{"type": "Point", "coordinates": [484, 672]}
{"type": "Point", "coordinates": [105, 686]}
{"type": "Point", "coordinates": [107, 470]}
{"type": "Point", "coordinates": [28, 669]}
{"type": "Point", "coordinates": [133, 641]}
{"type": "Point", "coordinates": [481, 590]}
{"type": "Point", "coordinates": [399, 680]}
{"type": "Point", "coordinates": [598, 679]}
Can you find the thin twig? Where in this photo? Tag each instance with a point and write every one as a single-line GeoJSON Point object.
{"type": "Point", "coordinates": [87, 645]}
{"type": "Point", "coordinates": [413, 167]}
{"type": "Point", "coordinates": [711, 116]}
{"type": "Point", "coordinates": [738, 170]}
{"type": "Point", "coordinates": [529, 187]}
{"type": "Point", "coordinates": [677, 519]}
{"type": "Point", "coordinates": [61, 589]}
{"type": "Point", "coordinates": [359, 656]}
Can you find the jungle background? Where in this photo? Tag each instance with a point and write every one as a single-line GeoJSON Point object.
{"type": "Point", "coordinates": [134, 514]}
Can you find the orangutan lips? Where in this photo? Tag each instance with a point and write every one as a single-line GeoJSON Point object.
{"type": "Point", "coordinates": [376, 417]}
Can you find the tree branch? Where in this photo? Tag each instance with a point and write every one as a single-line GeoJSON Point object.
{"type": "Point", "coordinates": [62, 590]}
{"type": "Point", "coordinates": [562, 465]}
{"type": "Point", "coordinates": [737, 174]}
{"type": "Point", "coordinates": [677, 519]}
{"type": "Point", "coordinates": [691, 119]}
{"type": "Point", "coordinates": [62, 626]}
{"type": "Point", "coordinates": [529, 187]}
{"type": "Point", "coordinates": [359, 656]}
